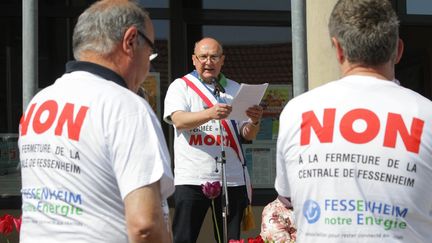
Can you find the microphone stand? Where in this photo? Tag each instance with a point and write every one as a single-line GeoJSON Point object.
{"type": "Point", "coordinates": [222, 161]}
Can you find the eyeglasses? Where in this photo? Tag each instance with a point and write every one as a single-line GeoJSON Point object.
{"type": "Point", "coordinates": [213, 58]}
{"type": "Point", "coordinates": [151, 44]}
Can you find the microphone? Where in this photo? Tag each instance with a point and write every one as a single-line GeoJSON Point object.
{"type": "Point", "coordinates": [218, 87]}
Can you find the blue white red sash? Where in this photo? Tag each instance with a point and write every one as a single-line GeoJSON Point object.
{"type": "Point", "coordinates": [210, 100]}
{"type": "Point", "coordinates": [230, 127]}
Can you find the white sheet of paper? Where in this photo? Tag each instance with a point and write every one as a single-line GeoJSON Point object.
{"type": "Point", "coordinates": [248, 95]}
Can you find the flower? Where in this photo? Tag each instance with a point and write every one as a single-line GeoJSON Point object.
{"type": "Point", "coordinates": [6, 224]}
{"type": "Point", "coordinates": [17, 223]}
{"type": "Point", "coordinates": [278, 223]}
{"type": "Point", "coordinates": [211, 189]}
{"type": "Point", "coordinates": [258, 239]}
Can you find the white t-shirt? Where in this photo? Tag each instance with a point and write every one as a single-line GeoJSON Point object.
{"type": "Point", "coordinates": [195, 150]}
{"type": "Point", "coordinates": [85, 143]}
{"type": "Point", "coordinates": [355, 156]}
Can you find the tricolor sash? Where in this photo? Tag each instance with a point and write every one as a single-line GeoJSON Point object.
{"type": "Point", "coordinates": [210, 100]}
{"type": "Point", "coordinates": [230, 127]}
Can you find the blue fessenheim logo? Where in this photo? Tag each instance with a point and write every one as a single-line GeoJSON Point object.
{"type": "Point", "coordinates": [311, 211]}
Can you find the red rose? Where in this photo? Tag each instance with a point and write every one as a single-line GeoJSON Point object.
{"type": "Point", "coordinates": [17, 223]}
{"type": "Point", "coordinates": [6, 224]}
{"type": "Point", "coordinates": [258, 239]}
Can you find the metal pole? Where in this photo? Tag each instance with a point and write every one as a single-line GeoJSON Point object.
{"type": "Point", "coordinates": [29, 49]}
{"type": "Point", "coordinates": [299, 46]}
{"type": "Point", "coordinates": [225, 196]}
{"type": "Point", "coordinates": [222, 161]}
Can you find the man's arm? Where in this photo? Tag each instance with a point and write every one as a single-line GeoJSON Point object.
{"type": "Point", "coordinates": [251, 129]}
{"type": "Point", "coordinates": [189, 120]}
{"type": "Point", "coordinates": [285, 201]}
{"type": "Point", "coordinates": [144, 216]}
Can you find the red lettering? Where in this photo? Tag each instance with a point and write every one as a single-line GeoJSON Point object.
{"type": "Point", "coordinates": [209, 139]}
{"type": "Point", "coordinates": [25, 120]}
{"type": "Point", "coordinates": [324, 132]}
{"type": "Point", "coordinates": [46, 115]}
{"type": "Point", "coordinates": [74, 127]}
{"type": "Point", "coordinates": [395, 125]}
{"type": "Point", "coordinates": [218, 140]}
{"type": "Point", "coordinates": [227, 141]}
{"type": "Point", "coordinates": [372, 127]}
{"type": "Point", "coordinates": [40, 126]}
{"type": "Point", "coordinates": [195, 139]}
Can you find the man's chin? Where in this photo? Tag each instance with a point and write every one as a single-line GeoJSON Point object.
{"type": "Point", "coordinates": [207, 76]}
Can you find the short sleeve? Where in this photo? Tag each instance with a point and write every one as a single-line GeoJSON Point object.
{"type": "Point", "coordinates": [175, 99]}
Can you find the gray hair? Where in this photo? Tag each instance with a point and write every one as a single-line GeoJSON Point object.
{"type": "Point", "coordinates": [367, 30]}
{"type": "Point", "coordinates": [103, 24]}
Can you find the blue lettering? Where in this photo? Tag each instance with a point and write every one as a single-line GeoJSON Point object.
{"type": "Point", "coordinates": [376, 208]}
{"type": "Point", "coordinates": [52, 193]}
{"type": "Point", "coordinates": [352, 205]}
{"type": "Point", "coordinates": [360, 219]}
{"type": "Point", "coordinates": [60, 195]}
{"type": "Point", "coordinates": [343, 205]}
{"type": "Point", "coordinates": [401, 213]}
{"type": "Point", "coordinates": [326, 203]}
{"type": "Point", "coordinates": [386, 209]}
{"type": "Point", "coordinates": [76, 199]}
{"type": "Point", "coordinates": [45, 193]}
{"type": "Point", "coordinates": [334, 203]}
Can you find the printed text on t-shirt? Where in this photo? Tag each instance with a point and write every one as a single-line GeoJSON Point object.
{"type": "Point", "coordinates": [394, 125]}
{"type": "Point", "coordinates": [46, 116]}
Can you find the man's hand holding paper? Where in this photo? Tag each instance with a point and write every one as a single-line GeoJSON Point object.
{"type": "Point", "coordinates": [219, 111]}
{"type": "Point", "coordinates": [245, 104]}
{"type": "Point", "coordinates": [254, 113]}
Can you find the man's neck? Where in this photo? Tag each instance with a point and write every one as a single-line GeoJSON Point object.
{"type": "Point", "coordinates": [207, 80]}
{"type": "Point", "coordinates": [110, 61]}
{"type": "Point", "coordinates": [384, 71]}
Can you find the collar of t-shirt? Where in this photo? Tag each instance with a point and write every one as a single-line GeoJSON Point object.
{"type": "Point", "coordinates": [96, 69]}
{"type": "Point", "coordinates": [221, 78]}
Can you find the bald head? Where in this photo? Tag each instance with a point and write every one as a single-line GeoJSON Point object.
{"type": "Point", "coordinates": [207, 42]}
{"type": "Point", "coordinates": [208, 58]}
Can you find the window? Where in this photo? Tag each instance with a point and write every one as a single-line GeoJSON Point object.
{"type": "Point", "coordinates": [419, 7]}
{"type": "Point", "coordinates": [248, 4]}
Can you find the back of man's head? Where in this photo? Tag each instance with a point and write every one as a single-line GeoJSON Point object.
{"type": "Point", "coordinates": [103, 24]}
{"type": "Point", "coordinates": [367, 30]}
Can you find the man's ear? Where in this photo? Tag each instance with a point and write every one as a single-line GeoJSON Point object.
{"type": "Point", "coordinates": [400, 49]}
{"type": "Point", "coordinates": [129, 40]}
{"type": "Point", "coordinates": [222, 60]}
{"type": "Point", "coordinates": [193, 59]}
{"type": "Point", "coordinates": [339, 51]}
